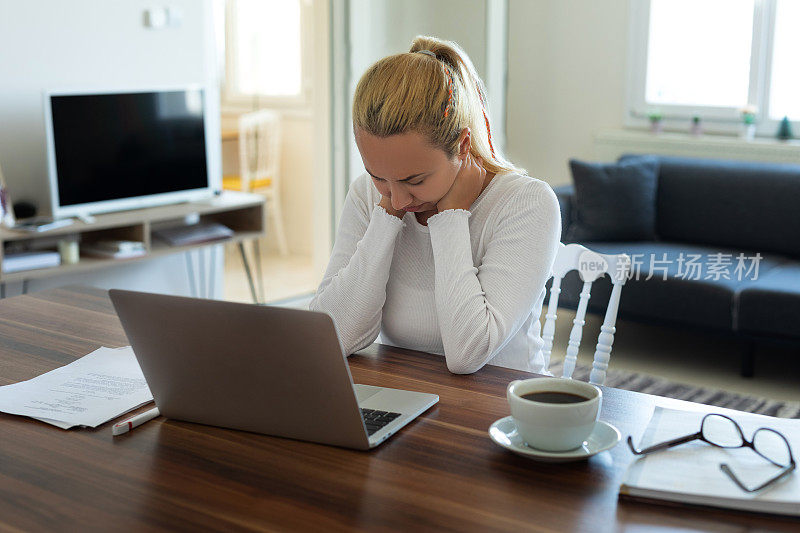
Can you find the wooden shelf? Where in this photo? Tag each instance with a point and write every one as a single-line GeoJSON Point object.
{"type": "Point", "coordinates": [159, 248]}
{"type": "Point", "coordinates": [85, 264]}
{"type": "Point", "coordinates": [241, 212]}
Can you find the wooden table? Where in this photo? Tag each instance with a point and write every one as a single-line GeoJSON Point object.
{"type": "Point", "coordinates": [439, 473]}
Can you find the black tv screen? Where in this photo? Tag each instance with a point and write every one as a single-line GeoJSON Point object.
{"type": "Point", "coordinates": [118, 146]}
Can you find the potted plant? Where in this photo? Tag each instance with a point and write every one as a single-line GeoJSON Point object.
{"type": "Point", "coordinates": [655, 117]}
{"type": "Point", "coordinates": [697, 127]}
{"type": "Point", "coordinates": [748, 114]}
{"type": "Point", "coordinates": [785, 130]}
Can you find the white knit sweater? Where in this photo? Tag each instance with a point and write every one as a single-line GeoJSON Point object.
{"type": "Point", "coordinates": [469, 285]}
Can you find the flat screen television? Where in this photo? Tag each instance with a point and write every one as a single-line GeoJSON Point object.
{"type": "Point", "coordinates": [110, 151]}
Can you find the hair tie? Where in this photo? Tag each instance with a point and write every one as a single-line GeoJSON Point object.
{"type": "Point", "coordinates": [449, 92]}
{"type": "Point", "coordinates": [489, 131]}
{"type": "Point", "coordinates": [450, 98]}
{"type": "Point", "coordinates": [485, 118]}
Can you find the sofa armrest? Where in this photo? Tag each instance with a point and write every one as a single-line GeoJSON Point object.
{"type": "Point", "coordinates": [565, 194]}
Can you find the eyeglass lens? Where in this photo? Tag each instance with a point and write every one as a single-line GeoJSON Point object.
{"type": "Point", "coordinates": [769, 444]}
{"type": "Point", "coordinates": [722, 431]}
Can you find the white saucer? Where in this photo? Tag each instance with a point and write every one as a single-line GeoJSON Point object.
{"type": "Point", "coordinates": [604, 436]}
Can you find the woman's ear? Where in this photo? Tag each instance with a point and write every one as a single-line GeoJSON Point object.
{"type": "Point", "coordinates": [465, 143]}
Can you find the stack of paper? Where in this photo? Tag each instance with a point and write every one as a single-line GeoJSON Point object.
{"type": "Point", "coordinates": [114, 249]}
{"type": "Point", "coordinates": [90, 391]}
{"type": "Point", "coordinates": [18, 261]}
{"type": "Point", "coordinates": [193, 234]}
{"type": "Point", "coordinates": [690, 473]}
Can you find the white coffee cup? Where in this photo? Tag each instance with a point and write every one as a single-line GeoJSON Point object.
{"type": "Point", "coordinates": [554, 427]}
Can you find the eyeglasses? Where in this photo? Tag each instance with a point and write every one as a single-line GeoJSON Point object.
{"type": "Point", "coordinates": [723, 432]}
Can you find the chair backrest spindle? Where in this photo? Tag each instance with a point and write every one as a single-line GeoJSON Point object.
{"type": "Point", "coordinates": [259, 147]}
{"type": "Point", "coordinates": [590, 266]}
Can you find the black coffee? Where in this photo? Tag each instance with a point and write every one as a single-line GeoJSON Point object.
{"type": "Point", "coordinates": [554, 397]}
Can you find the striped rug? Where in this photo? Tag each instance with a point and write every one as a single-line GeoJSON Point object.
{"type": "Point", "coordinates": [634, 381]}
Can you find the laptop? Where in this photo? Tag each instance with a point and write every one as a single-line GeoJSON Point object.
{"type": "Point", "coordinates": [263, 369]}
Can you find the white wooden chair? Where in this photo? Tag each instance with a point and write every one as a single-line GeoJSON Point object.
{"type": "Point", "coordinates": [259, 165]}
{"type": "Point", "coordinates": [591, 266]}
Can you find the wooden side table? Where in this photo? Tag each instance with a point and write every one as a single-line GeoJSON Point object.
{"type": "Point", "coordinates": [241, 212]}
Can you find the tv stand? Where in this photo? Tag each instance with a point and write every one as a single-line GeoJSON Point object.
{"type": "Point", "coordinates": [86, 218]}
{"type": "Point", "coordinates": [241, 212]}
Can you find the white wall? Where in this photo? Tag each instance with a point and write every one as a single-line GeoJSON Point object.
{"type": "Point", "coordinates": [566, 80]}
{"type": "Point", "coordinates": [320, 203]}
{"type": "Point", "coordinates": [85, 44]}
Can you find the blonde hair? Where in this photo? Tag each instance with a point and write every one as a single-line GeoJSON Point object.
{"type": "Point", "coordinates": [435, 96]}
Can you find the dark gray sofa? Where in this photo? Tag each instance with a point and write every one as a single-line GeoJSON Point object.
{"type": "Point", "coordinates": [707, 207]}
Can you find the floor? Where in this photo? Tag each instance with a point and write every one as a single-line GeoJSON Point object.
{"type": "Point", "coordinates": [689, 357]}
{"type": "Point", "coordinates": [683, 356]}
{"type": "Point", "coordinates": [284, 276]}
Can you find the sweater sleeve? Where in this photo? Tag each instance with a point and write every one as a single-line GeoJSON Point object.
{"type": "Point", "coordinates": [480, 309]}
{"type": "Point", "coordinates": [353, 288]}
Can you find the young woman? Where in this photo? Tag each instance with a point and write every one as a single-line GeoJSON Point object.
{"type": "Point", "coordinates": [443, 245]}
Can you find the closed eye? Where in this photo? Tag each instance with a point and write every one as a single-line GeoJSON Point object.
{"type": "Point", "coordinates": [420, 182]}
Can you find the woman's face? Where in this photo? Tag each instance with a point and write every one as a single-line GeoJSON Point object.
{"type": "Point", "coordinates": [406, 169]}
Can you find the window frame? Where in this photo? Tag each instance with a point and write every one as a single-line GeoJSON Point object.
{"type": "Point", "coordinates": [716, 119]}
{"type": "Point", "coordinates": [234, 101]}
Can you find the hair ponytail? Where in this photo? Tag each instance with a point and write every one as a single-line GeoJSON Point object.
{"type": "Point", "coordinates": [435, 96]}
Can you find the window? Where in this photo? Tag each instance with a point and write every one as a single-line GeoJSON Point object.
{"type": "Point", "coordinates": [784, 95]}
{"type": "Point", "coordinates": [267, 53]}
{"type": "Point", "coordinates": [680, 51]}
{"type": "Point", "coordinates": [710, 58]}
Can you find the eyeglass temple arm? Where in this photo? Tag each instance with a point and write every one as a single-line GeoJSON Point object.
{"type": "Point", "coordinates": [786, 471]}
{"type": "Point", "coordinates": [664, 445]}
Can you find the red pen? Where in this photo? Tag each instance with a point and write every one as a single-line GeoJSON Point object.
{"type": "Point", "coordinates": [138, 420]}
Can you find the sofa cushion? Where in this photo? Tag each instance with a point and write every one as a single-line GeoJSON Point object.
{"type": "Point", "coordinates": [614, 201]}
{"type": "Point", "coordinates": [771, 304]}
{"type": "Point", "coordinates": [564, 194]}
{"type": "Point", "coordinates": [680, 298]}
{"type": "Point", "coordinates": [752, 205]}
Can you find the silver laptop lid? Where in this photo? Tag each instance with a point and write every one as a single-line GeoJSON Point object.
{"type": "Point", "coordinates": [264, 369]}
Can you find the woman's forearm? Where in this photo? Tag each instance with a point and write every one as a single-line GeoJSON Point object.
{"type": "Point", "coordinates": [353, 290]}
{"type": "Point", "coordinates": [481, 308]}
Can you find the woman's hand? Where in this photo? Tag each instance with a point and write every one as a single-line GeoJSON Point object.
{"type": "Point", "coordinates": [386, 203]}
{"type": "Point", "coordinates": [467, 186]}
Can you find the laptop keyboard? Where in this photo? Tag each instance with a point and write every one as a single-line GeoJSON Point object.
{"type": "Point", "coordinates": [375, 419]}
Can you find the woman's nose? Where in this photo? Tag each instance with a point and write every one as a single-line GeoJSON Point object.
{"type": "Point", "coordinates": [400, 197]}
